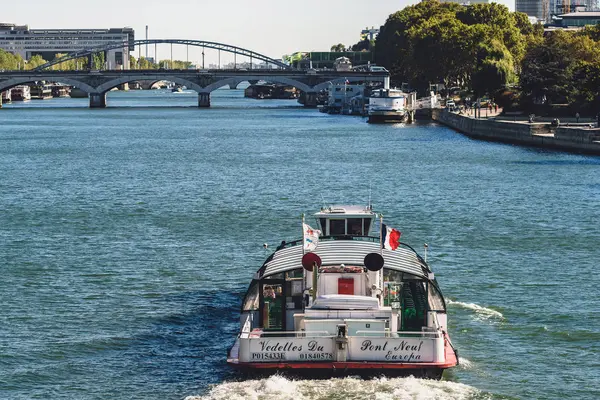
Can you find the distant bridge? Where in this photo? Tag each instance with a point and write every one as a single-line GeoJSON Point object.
{"type": "Point", "coordinates": [88, 53]}
{"type": "Point", "coordinates": [98, 83]}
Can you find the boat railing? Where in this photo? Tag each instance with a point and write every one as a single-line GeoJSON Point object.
{"type": "Point", "coordinates": [301, 334]}
{"type": "Point", "coordinates": [399, 335]}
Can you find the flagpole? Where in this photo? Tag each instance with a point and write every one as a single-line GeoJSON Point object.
{"type": "Point", "coordinates": [381, 234]}
{"type": "Point", "coordinates": [302, 233]}
{"type": "Point", "coordinates": [380, 272]}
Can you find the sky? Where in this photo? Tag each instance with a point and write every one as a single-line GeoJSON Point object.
{"type": "Point", "coordinates": [269, 27]}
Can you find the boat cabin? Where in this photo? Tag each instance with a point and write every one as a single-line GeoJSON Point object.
{"type": "Point", "coordinates": [401, 294]}
{"type": "Point", "coordinates": [345, 221]}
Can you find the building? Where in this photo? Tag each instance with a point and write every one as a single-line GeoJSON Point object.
{"type": "Point", "coordinates": [579, 19]}
{"type": "Point", "coordinates": [326, 59]}
{"type": "Point", "coordinates": [538, 9]}
{"type": "Point", "coordinates": [19, 39]}
{"type": "Point", "coordinates": [569, 6]}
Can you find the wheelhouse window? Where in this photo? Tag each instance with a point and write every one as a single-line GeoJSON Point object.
{"type": "Point", "coordinates": [355, 226]}
{"type": "Point", "coordinates": [367, 226]}
{"type": "Point", "coordinates": [337, 227]}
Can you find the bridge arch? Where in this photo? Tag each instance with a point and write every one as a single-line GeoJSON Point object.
{"type": "Point", "coordinates": [272, 79]}
{"type": "Point", "coordinates": [196, 43]}
{"type": "Point", "coordinates": [10, 83]}
{"type": "Point", "coordinates": [105, 87]}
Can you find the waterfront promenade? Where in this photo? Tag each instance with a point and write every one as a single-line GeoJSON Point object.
{"type": "Point", "coordinates": [583, 137]}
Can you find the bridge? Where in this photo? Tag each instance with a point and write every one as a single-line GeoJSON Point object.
{"type": "Point", "coordinates": [98, 82]}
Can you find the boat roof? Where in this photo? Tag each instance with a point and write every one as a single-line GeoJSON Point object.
{"type": "Point", "coordinates": [348, 252]}
{"type": "Point", "coordinates": [342, 210]}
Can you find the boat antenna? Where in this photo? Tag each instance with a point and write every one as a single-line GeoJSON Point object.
{"type": "Point", "coordinates": [426, 246]}
{"type": "Point", "coordinates": [324, 203]}
{"type": "Point", "coordinates": [370, 185]}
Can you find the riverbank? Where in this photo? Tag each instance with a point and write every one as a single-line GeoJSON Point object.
{"type": "Point", "coordinates": [580, 138]}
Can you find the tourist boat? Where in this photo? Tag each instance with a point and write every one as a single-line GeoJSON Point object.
{"type": "Point", "coordinates": [59, 90]}
{"type": "Point", "coordinates": [21, 93]}
{"type": "Point", "coordinates": [344, 303]}
{"type": "Point", "coordinates": [387, 105]}
{"type": "Point", "coordinates": [41, 92]}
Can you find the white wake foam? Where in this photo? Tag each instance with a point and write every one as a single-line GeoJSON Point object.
{"type": "Point", "coordinates": [479, 310]}
{"type": "Point", "coordinates": [465, 363]}
{"type": "Point", "coordinates": [280, 388]}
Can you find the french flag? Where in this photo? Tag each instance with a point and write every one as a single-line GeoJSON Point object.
{"type": "Point", "coordinates": [390, 237]}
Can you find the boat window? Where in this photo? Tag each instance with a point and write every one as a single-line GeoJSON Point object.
{"type": "Point", "coordinates": [390, 275]}
{"type": "Point", "coordinates": [273, 310]}
{"type": "Point", "coordinates": [337, 227]}
{"type": "Point", "coordinates": [294, 274]}
{"type": "Point", "coordinates": [436, 301]}
{"type": "Point", "coordinates": [413, 305]}
{"type": "Point", "coordinates": [251, 300]}
{"type": "Point", "coordinates": [355, 226]}
{"type": "Point", "coordinates": [323, 222]}
{"type": "Point", "coordinates": [276, 276]}
{"type": "Point", "coordinates": [367, 224]}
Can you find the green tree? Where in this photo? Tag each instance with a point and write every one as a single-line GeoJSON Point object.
{"type": "Point", "coordinates": [338, 47]}
{"type": "Point", "coordinates": [98, 61]}
{"type": "Point", "coordinates": [478, 47]}
{"type": "Point", "coordinates": [69, 65]}
{"type": "Point", "coordinates": [10, 62]}
{"type": "Point", "coordinates": [550, 69]}
{"type": "Point", "coordinates": [35, 62]}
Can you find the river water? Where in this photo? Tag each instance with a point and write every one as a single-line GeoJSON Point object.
{"type": "Point", "coordinates": [128, 236]}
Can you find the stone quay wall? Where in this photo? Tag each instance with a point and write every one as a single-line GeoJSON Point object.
{"type": "Point", "coordinates": [574, 139]}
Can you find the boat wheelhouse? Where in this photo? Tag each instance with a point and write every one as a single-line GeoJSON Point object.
{"type": "Point", "coordinates": [346, 307]}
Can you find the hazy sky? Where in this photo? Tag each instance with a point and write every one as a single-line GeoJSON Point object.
{"type": "Point", "coordinates": [270, 27]}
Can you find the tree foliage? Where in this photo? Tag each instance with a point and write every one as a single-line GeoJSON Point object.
{"type": "Point", "coordinates": [11, 62]}
{"type": "Point", "coordinates": [336, 48]}
{"type": "Point", "coordinates": [563, 69]}
{"type": "Point", "coordinates": [479, 47]}
{"type": "Point", "coordinates": [35, 62]}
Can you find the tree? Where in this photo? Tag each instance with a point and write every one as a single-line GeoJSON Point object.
{"type": "Point", "coordinates": [363, 45]}
{"type": "Point", "coordinates": [98, 61]}
{"type": "Point", "coordinates": [478, 47]}
{"type": "Point", "coordinates": [9, 61]}
{"type": "Point", "coordinates": [338, 48]}
{"type": "Point", "coordinates": [35, 62]}
{"type": "Point", "coordinates": [554, 70]}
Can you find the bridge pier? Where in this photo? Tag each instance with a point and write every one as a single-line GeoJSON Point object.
{"type": "Point", "coordinates": [0, 99]}
{"type": "Point", "coordinates": [204, 100]}
{"type": "Point", "coordinates": [97, 100]}
{"type": "Point", "coordinates": [310, 99]}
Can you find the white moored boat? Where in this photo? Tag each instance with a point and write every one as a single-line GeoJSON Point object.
{"type": "Point", "coordinates": [343, 304]}
{"type": "Point", "coordinates": [387, 105]}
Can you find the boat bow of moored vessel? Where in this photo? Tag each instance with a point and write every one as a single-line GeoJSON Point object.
{"type": "Point", "coordinates": [344, 303]}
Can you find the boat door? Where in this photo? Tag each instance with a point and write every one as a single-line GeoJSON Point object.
{"type": "Point", "coordinates": [272, 304]}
